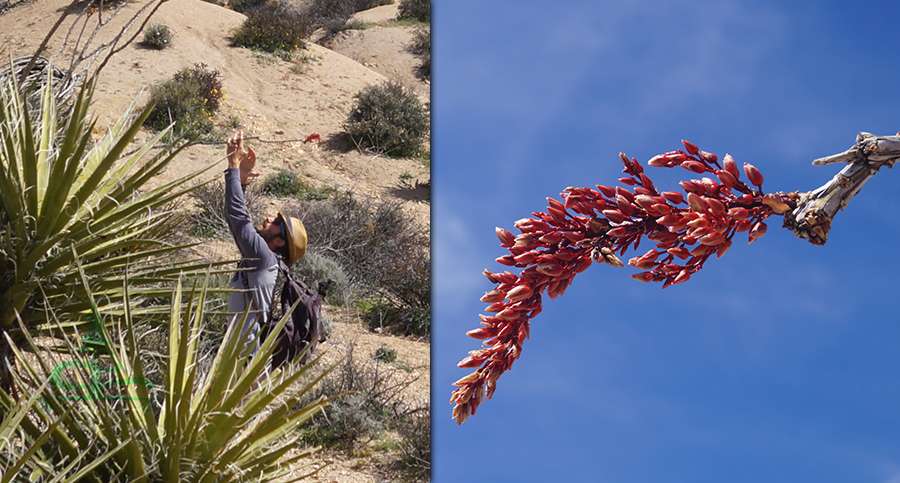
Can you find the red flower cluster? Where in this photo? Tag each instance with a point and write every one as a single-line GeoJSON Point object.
{"type": "Point", "coordinates": [595, 225]}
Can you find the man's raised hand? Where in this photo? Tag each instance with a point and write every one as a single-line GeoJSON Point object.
{"type": "Point", "coordinates": [238, 158]}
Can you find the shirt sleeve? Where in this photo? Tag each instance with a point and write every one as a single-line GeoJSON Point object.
{"type": "Point", "coordinates": [249, 242]}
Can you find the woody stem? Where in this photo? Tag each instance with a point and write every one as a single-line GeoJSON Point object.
{"type": "Point", "coordinates": [811, 218]}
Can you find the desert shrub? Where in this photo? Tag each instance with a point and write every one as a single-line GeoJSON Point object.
{"type": "Point", "coordinates": [324, 10]}
{"type": "Point", "coordinates": [190, 97]}
{"type": "Point", "coordinates": [416, 9]}
{"type": "Point", "coordinates": [287, 183]}
{"type": "Point", "coordinates": [414, 429]}
{"type": "Point", "coordinates": [369, 400]}
{"type": "Point", "coordinates": [369, 238]}
{"type": "Point", "coordinates": [273, 26]}
{"type": "Point", "coordinates": [245, 6]}
{"type": "Point", "coordinates": [157, 36]}
{"type": "Point", "coordinates": [421, 48]}
{"type": "Point", "coordinates": [382, 249]}
{"type": "Point", "coordinates": [385, 353]}
{"type": "Point", "coordinates": [207, 218]}
{"type": "Point", "coordinates": [350, 419]}
{"type": "Point", "coordinates": [396, 317]}
{"type": "Point", "coordinates": [316, 268]}
{"type": "Point", "coordinates": [388, 118]}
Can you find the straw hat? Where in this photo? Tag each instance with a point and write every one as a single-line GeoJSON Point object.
{"type": "Point", "coordinates": [296, 238]}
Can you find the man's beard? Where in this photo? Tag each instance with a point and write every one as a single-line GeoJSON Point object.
{"type": "Point", "coordinates": [268, 237]}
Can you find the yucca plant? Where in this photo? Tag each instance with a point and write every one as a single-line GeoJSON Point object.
{"type": "Point", "coordinates": [62, 193]}
{"type": "Point", "coordinates": [233, 422]}
{"type": "Point", "coordinates": [22, 455]}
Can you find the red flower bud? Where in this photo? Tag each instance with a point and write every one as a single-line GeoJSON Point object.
{"type": "Point", "coordinates": [697, 203]}
{"type": "Point", "coordinates": [555, 204]}
{"type": "Point", "coordinates": [695, 166]}
{"type": "Point", "coordinates": [738, 213]}
{"type": "Point", "coordinates": [618, 232]}
{"type": "Point", "coordinates": [495, 307]}
{"type": "Point", "coordinates": [526, 258]}
{"type": "Point", "coordinates": [712, 238]}
{"type": "Point", "coordinates": [506, 260]}
{"type": "Point", "coordinates": [557, 214]}
{"type": "Point", "coordinates": [753, 174]}
{"type": "Point", "coordinates": [726, 178]}
{"type": "Point", "coordinates": [759, 229]}
{"type": "Point", "coordinates": [480, 333]}
{"type": "Point", "coordinates": [691, 148]}
{"type": "Point", "coordinates": [614, 216]}
{"type": "Point", "coordinates": [668, 220]}
{"type": "Point", "coordinates": [659, 161]}
{"type": "Point", "coordinates": [643, 276]}
{"type": "Point", "coordinates": [683, 276]}
{"type": "Point", "coordinates": [709, 185]}
{"type": "Point", "coordinates": [551, 238]}
{"type": "Point", "coordinates": [723, 248]}
{"type": "Point", "coordinates": [680, 252]}
{"type": "Point", "coordinates": [471, 362]}
{"type": "Point", "coordinates": [673, 196]}
{"type": "Point", "coordinates": [490, 276]}
{"type": "Point", "coordinates": [607, 191]}
{"type": "Point", "coordinates": [731, 166]}
{"type": "Point", "coordinates": [691, 187]}
{"type": "Point", "coordinates": [710, 156]}
{"type": "Point", "coordinates": [550, 269]}
{"type": "Point", "coordinates": [509, 314]}
{"type": "Point", "coordinates": [625, 193]}
{"type": "Point", "coordinates": [521, 292]}
{"type": "Point", "coordinates": [716, 207]}
{"type": "Point", "coordinates": [624, 206]}
{"type": "Point", "coordinates": [506, 277]}
{"type": "Point", "coordinates": [506, 238]}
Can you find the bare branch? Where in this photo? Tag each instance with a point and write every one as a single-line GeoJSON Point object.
{"type": "Point", "coordinates": [812, 215]}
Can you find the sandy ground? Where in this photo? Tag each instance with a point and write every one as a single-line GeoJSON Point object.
{"type": "Point", "coordinates": [274, 100]}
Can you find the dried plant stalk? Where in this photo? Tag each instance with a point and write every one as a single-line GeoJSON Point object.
{"type": "Point", "coordinates": [812, 216]}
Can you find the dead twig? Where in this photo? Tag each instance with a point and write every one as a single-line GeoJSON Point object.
{"type": "Point", "coordinates": [813, 211]}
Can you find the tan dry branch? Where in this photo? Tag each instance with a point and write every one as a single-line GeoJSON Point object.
{"type": "Point", "coordinates": [811, 218]}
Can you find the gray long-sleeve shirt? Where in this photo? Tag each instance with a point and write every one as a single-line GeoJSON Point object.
{"type": "Point", "coordinates": [261, 262]}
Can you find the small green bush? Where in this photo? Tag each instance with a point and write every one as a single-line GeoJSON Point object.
{"type": "Point", "coordinates": [395, 317]}
{"type": "Point", "coordinates": [349, 420]}
{"type": "Point", "coordinates": [207, 217]}
{"type": "Point", "coordinates": [370, 399]}
{"type": "Point", "coordinates": [421, 48]}
{"type": "Point", "coordinates": [415, 9]}
{"type": "Point", "coordinates": [385, 353]}
{"type": "Point", "coordinates": [286, 183]}
{"type": "Point", "coordinates": [191, 97]}
{"type": "Point", "coordinates": [389, 119]}
{"type": "Point", "coordinates": [414, 429]}
{"type": "Point", "coordinates": [273, 26]}
{"type": "Point", "coordinates": [315, 268]}
{"type": "Point", "coordinates": [245, 6]}
{"type": "Point", "coordinates": [324, 10]}
{"type": "Point", "coordinates": [157, 36]}
{"type": "Point", "coordinates": [382, 249]}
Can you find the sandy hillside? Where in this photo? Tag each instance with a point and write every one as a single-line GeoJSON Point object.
{"type": "Point", "coordinates": [274, 100]}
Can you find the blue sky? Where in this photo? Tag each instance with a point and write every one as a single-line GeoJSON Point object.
{"type": "Point", "coordinates": [779, 362]}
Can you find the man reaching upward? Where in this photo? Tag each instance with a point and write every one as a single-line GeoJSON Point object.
{"type": "Point", "coordinates": [259, 245]}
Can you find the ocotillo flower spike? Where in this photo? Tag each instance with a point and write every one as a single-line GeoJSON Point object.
{"type": "Point", "coordinates": [599, 225]}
